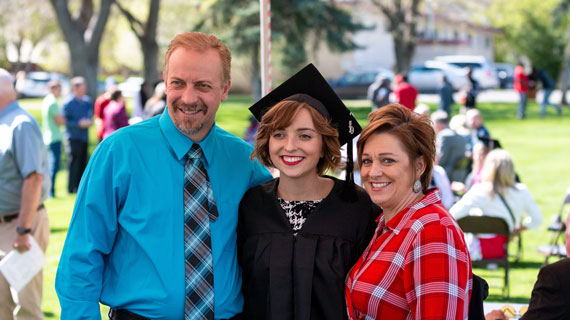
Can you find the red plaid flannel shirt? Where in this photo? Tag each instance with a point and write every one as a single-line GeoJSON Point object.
{"type": "Point", "coordinates": [416, 267]}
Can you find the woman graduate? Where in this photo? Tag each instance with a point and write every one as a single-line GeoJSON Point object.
{"type": "Point", "coordinates": [299, 234]}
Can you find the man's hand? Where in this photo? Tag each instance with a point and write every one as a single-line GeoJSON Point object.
{"type": "Point", "coordinates": [22, 242]}
{"type": "Point", "coordinates": [496, 315]}
{"type": "Point", "coordinates": [85, 123]}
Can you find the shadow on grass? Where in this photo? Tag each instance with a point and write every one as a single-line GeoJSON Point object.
{"type": "Point", "coordinates": [525, 265]}
{"type": "Point", "coordinates": [499, 298]}
{"type": "Point", "coordinates": [57, 230]}
{"type": "Point", "coordinates": [49, 314]}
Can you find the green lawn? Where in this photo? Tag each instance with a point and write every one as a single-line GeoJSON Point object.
{"type": "Point", "coordinates": [539, 147]}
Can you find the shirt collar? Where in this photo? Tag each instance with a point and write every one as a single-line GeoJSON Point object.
{"type": "Point", "coordinates": [181, 144]}
{"type": "Point", "coordinates": [9, 108]}
{"type": "Point", "coordinates": [398, 222]}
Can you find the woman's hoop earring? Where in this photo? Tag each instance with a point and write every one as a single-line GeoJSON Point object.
{"type": "Point", "coordinates": [417, 186]}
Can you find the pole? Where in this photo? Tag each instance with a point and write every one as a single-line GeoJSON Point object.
{"type": "Point", "coordinates": [265, 41]}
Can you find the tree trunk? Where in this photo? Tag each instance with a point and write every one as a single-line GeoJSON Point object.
{"type": "Point", "coordinates": [146, 33]}
{"type": "Point", "coordinates": [565, 74]}
{"type": "Point", "coordinates": [83, 37]}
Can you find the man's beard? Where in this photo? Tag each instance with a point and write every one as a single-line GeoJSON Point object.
{"type": "Point", "coordinates": [188, 127]}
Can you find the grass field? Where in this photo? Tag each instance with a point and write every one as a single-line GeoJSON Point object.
{"type": "Point", "coordinates": [539, 147]}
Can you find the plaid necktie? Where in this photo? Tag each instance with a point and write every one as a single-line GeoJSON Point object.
{"type": "Point", "coordinates": [199, 209]}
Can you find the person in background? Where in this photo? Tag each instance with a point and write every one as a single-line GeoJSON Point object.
{"type": "Point", "coordinates": [445, 95]}
{"type": "Point", "coordinates": [417, 264]}
{"type": "Point", "coordinates": [140, 100]}
{"type": "Point", "coordinates": [78, 112]}
{"type": "Point", "coordinates": [100, 104]}
{"type": "Point", "coordinates": [379, 91]}
{"type": "Point", "coordinates": [24, 185]}
{"type": "Point", "coordinates": [319, 225]}
{"type": "Point", "coordinates": [155, 105]}
{"type": "Point", "coordinates": [251, 131]}
{"type": "Point", "coordinates": [423, 109]}
{"type": "Point", "coordinates": [406, 94]}
{"type": "Point", "coordinates": [472, 91]}
{"type": "Point", "coordinates": [115, 114]}
{"type": "Point", "coordinates": [548, 86]}
{"type": "Point", "coordinates": [498, 195]}
{"type": "Point", "coordinates": [521, 86]}
{"type": "Point", "coordinates": [550, 298]}
{"type": "Point", "coordinates": [474, 120]}
{"type": "Point", "coordinates": [153, 228]}
{"type": "Point", "coordinates": [450, 147]}
{"type": "Point", "coordinates": [52, 120]}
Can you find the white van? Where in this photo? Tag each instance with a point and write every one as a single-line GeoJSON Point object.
{"type": "Point", "coordinates": [483, 70]}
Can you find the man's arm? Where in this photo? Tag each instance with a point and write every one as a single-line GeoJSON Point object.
{"type": "Point", "coordinates": [59, 119]}
{"type": "Point", "coordinates": [71, 119]}
{"type": "Point", "coordinates": [31, 194]}
{"type": "Point", "coordinates": [90, 238]}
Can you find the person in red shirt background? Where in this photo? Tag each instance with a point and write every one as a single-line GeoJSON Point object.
{"type": "Point", "coordinates": [521, 86]}
{"type": "Point", "coordinates": [406, 94]}
{"type": "Point", "coordinates": [417, 264]}
{"type": "Point", "coordinates": [100, 104]}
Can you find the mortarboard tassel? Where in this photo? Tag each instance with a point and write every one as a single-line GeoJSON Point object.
{"type": "Point", "coordinates": [349, 192]}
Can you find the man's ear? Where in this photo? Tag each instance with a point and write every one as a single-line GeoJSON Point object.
{"type": "Point", "coordinates": [226, 90]}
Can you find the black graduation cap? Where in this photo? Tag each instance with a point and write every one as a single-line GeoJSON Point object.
{"type": "Point", "coordinates": [309, 86]}
{"type": "Point", "coordinates": [489, 142]}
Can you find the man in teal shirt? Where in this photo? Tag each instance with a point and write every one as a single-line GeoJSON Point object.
{"type": "Point", "coordinates": [125, 244]}
{"type": "Point", "coordinates": [52, 119]}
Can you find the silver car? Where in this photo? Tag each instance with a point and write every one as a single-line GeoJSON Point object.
{"type": "Point", "coordinates": [426, 77]}
{"type": "Point", "coordinates": [483, 70]}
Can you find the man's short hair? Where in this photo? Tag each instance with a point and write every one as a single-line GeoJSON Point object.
{"type": "Point", "coordinates": [6, 83]}
{"type": "Point", "coordinates": [439, 116]}
{"type": "Point", "coordinates": [75, 81]}
{"type": "Point", "coordinates": [201, 42]}
{"type": "Point", "coordinates": [53, 84]}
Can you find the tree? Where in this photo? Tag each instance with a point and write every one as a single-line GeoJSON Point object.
{"type": "Point", "coordinates": [528, 31]}
{"type": "Point", "coordinates": [294, 24]}
{"type": "Point", "coordinates": [402, 18]}
{"type": "Point", "coordinates": [83, 35]}
{"type": "Point", "coordinates": [560, 17]}
{"type": "Point", "coordinates": [26, 24]}
{"type": "Point", "coordinates": [146, 34]}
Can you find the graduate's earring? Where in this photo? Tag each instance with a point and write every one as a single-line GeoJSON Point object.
{"type": "Point", "coordinates": [417, 186]}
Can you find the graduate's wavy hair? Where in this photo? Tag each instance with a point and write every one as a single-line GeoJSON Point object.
{"type": "Point", "coordinates": [201, 42]}
{"type": "Point", "coordinates": [414, 131]}
{"type": "Point", "coordinates": [280, 116]}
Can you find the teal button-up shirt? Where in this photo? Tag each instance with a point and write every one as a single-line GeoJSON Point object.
{"type": "Point", "coordinates": [125, 244]}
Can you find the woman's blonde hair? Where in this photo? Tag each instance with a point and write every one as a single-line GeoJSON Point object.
{"type": "Point", "coordinates": [498, 171]}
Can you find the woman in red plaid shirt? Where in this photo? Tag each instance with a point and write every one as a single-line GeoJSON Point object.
{"type": "Point", "coordinates": [417, 265]}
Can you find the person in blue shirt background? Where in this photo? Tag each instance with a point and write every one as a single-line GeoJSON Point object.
{"type": "Point", "coordinates": [125, 244]}
{"type": "Point", "coordinates": [78, 113]}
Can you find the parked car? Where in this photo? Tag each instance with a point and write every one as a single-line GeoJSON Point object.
{"type": "Point", "coordinates": [505, 72]}
{"type": "Point", "coordinates": [355, 85]}
{"type": "Point", "coordinates": [131, 86]}
{"type": "Point", "coordinates": [35, 84]}
{"type": "Point", "coordinates": [483, 70]}
{"type": "Point", "coordinates": [426, 77]}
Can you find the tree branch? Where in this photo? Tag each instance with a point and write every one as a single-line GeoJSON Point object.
{"type": "Point", "coordinates": [136, 25]}
{"type": "Point", "coordinates": [99, 27]}
{"type": "Point", "coordinates": [85, 14]}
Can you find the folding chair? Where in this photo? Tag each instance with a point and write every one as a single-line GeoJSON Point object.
{"type": "Point", "coordinates": [493, 225]}
{"type": "Point", "coordinates": [558, 227]}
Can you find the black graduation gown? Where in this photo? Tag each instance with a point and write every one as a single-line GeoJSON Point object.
{"type": "Point", "coordinates": [300, 277]}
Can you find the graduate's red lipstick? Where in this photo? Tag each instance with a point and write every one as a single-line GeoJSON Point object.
{"type": "Point", "coordinates": [291, 161]}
